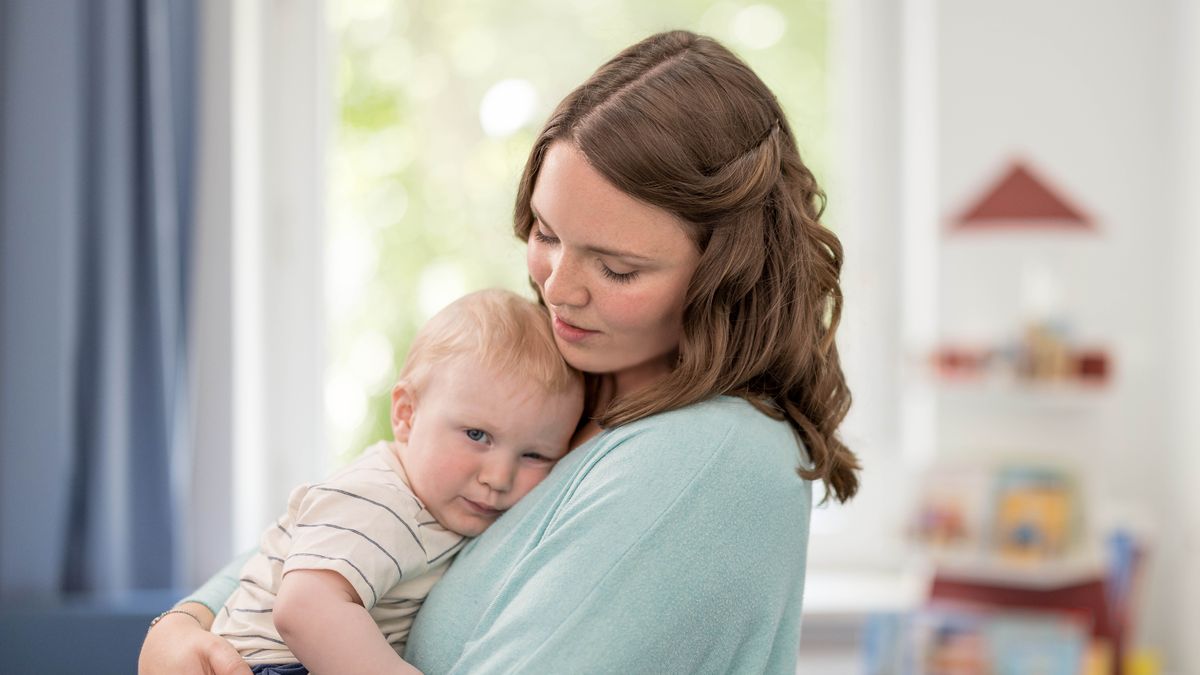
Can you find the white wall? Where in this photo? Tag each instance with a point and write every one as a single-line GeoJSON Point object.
{"type": "Point", "coordinates": [1087, 91]}
{"type": "Point", "coordinates": [1183, 609]}
{"type": "Point", "coordinates": [867, 126]}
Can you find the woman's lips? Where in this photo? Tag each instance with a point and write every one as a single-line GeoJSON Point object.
{"type": "Point", "coordinates": [570, 332]}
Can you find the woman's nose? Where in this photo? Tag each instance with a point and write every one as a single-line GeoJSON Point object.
{"type": "Point", "coordinates": [564, 286]}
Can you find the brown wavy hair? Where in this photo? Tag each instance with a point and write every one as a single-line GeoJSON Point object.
{"type": "Point", "coordinates": [679, 122]}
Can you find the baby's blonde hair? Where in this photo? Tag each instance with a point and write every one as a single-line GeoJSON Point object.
{"type": "Point", "coordinates": [499, 328]}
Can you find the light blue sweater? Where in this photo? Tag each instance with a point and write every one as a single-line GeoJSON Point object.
{"type": "Point", "coordinates": [675, 544]}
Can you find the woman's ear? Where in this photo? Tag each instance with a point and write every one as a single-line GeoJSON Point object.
{"type": "Point", "coordinates": [404, 404]}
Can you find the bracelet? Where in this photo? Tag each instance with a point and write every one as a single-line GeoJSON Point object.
{"type": "Point", "coordinates": [160, 617]}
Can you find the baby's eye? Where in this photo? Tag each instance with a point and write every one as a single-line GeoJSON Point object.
{"type": "Point", "coordinates": [477, 435]}
{"type": "Point", "coordinates": [537, 457]}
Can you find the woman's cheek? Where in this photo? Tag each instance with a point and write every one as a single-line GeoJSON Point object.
{"type": "Point", "coordinates": [537, 262]}
{"type": "Point", "coordinates": [634, 309]}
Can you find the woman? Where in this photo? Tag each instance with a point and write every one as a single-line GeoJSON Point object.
{"type": "Point", "coordinates": [673, 234]}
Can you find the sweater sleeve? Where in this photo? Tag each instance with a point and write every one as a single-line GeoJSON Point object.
{"type": "Point", "coordinates": [214, 592]}
{"type": "Point", "coordinates": [681, 550]}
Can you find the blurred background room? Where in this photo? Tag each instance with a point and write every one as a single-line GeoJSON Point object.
{"type": "Point", "coordinates": [221, 222]}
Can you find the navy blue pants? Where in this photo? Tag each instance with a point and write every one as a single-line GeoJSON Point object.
{"type": "Point", "coordinates": [279, 669]}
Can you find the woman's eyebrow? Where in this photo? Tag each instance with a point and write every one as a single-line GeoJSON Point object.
{"type": "Point", "coordinates": [602, 250]}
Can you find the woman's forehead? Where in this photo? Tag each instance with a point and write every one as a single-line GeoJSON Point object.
{"type": "Point", "coordinates": [570, 195]}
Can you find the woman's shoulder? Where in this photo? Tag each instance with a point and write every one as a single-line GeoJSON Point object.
{"type": "Point", "coordinates": [725, 431]}
{"type": "Point", "coordinates": [688, 466]}
{"type": "Point", "coordinates": [727, 420]}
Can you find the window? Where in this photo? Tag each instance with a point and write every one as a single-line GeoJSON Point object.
{"type": "Point", "coordinates": [439, 105]}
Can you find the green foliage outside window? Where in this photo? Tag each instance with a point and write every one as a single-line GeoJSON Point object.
{"type": "Point", "coordinates": [438, 104]}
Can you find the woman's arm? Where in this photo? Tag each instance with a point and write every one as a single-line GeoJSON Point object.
{"type": "Point", "coordinates": [217, 589]}
{"type": "Point", "coordinates": [182, 645]}
{"type": "Point", "coordinates": [320, 616]}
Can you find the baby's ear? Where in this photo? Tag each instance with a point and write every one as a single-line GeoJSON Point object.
{"type": "Point", "coordinates": [403, 405]}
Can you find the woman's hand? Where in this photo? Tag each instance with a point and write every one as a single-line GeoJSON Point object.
{"type": "Point", "coordinates": [179, 645]}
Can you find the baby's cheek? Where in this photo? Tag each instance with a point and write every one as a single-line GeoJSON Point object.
{"type": "Point", "coordinates": [453, 466]}
{"type": "Point", "coordinates": [527, 480]}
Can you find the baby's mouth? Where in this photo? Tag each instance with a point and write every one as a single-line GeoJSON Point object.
{"type": "Point", "coordinates": [483, 509]}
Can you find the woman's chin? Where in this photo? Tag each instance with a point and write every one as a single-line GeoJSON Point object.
{"type": "Point", "coordinates": [577, 357]}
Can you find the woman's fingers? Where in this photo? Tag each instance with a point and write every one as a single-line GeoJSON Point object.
{"type": "Point", "coordinates": [223, 659]}
{"type": "Point", "coordinates": [178, 645]}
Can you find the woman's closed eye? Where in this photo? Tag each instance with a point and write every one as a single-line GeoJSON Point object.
{"type": "Point", "coordinates": [542, 236]}
{"type": "Point", "coordinates": [619, 277]}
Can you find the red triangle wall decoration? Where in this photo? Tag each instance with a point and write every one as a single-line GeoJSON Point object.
{"type": "Point", "coordinates": [1022, 200]}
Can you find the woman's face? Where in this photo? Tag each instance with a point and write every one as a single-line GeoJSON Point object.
{"type": "Point", "coordinates": [613, 270]}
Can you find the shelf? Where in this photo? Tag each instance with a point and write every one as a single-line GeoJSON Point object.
{"type": "Point", "coordinates": [831, 593]}
{"type": "Point", "coordinates": [1016, 393]}
{"type": "Point", "coordinates": [1034, 575]}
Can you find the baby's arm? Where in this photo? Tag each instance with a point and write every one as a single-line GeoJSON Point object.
{"type": "Point", "coordinates": [320, 616]}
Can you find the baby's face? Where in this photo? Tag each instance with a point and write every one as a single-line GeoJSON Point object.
{"type": "Point", "coordinates": [474, 441]}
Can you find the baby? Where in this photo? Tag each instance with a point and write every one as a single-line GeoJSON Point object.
{"type": "Point", "coordinates": [483, 408]}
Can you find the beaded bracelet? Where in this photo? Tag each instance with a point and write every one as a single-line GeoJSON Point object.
{"type": "Point", "coordinates": [155, 620]}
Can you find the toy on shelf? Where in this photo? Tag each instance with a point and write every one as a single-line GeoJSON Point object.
{"type": "Point", "coordinates": [1045, 355]}
{"type": "Point", "coordinates": [968, 641]}
{"type": "Point", "coordinates": [1006, 522]}
{"type": "Point", "coordinates": [1036, 514]}
{"type": "Point", "coordinates": [948, 517]}
{"type": "Point", "coordinates": [1012, 536]}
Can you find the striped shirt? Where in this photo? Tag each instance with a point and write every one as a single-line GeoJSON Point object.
{"type": "Point", "coordinates": [364, 523]}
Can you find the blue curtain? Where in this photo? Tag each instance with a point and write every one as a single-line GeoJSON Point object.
{"type": "Point", "coordinates": [96, 183]}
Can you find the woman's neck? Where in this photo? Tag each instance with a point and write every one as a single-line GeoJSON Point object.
{"type": "Point", "coordinates": [641, 376]}
{"type": "Point", "coordinates": [611, 386]}
{"type": "Point", "coordinates": [585, 433]}
{"type": "Point", "coordinates": [601, 392]}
